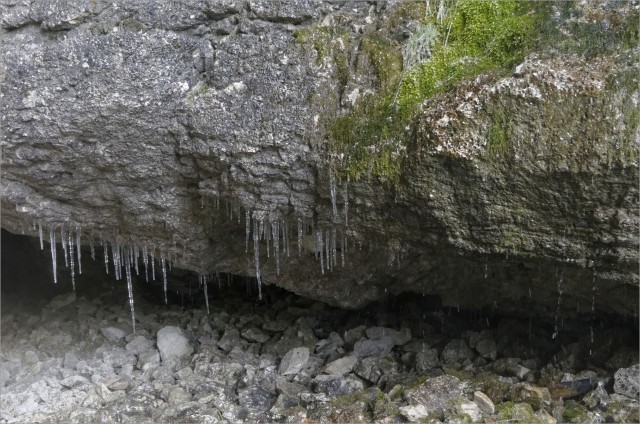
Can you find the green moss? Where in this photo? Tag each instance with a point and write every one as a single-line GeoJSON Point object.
{"type": "Point", "coordinates": [498, 144]}
{"type": "Point", "coordinates": [515, 412]}
{"type": "Point", "coordinates": [371, 139]}
{"type": "Point", "coordinates": [574, 412]}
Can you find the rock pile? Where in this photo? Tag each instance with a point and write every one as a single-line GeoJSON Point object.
{"type": "Point", "coordinates": [78, 361]}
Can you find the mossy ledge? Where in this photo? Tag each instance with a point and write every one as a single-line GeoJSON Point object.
{"type": "Point", "coordinates": [370, 139]}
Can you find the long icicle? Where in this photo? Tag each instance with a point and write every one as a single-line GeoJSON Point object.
{"type": "Point", "coordinates": [64, 246]}
{"type": "Point", "coordinates": [52, 241]}
{"type": "Point", "coordinates": [40, 232]}
{"type": "Point", "coordinates": [130, 290]}
{"type": "Point", "coordinates": [256, 255]}
{"type": "Point", "coordinates": [145, 259]}
{"type": "Point", "coordinates": [153, 264]}
{"type": "Point", "coordinates": [275, 230]}
{"type": "Point", "coordinates": [73, 270]}
{"type": "Point", "coordinates": [78, 230]}
{"type": "Point", "coordinates": [206, 295]}
{"type": "Point", "coordinates": [105, 248]}
{"type": "Point", "coordinates": [164, 277]}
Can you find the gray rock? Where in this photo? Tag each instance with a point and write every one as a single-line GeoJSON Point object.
{"type": "Point", "coordinates": [256, 398]}
{"type": "Point", "coordinates": [139, 344]}
{"type": "Point", "coordinates": [294, 361]}
{"type": "Point", "coordinates": [118, 357]}
{"type": "Point", "coordinates": [414, 413]}
{"type": "Point", "coordinates": [426, 359]}
{"type": "Point", "coordinates": [230, 339]}
{"type": "Point", "coordinates": [463, 408]}
{"type": "Point", "coordinates": [435, 393]}
{"type": "Point", "coordinates": [151, 356]}
{"type": "Point", "coordinates": [379, 347]}
{"type": "Point", "coordinates": [329, 346]}
{"type": "Point", "coordinates": [172, 343]}
{"type": "Point", "coordinates": [354, 334]}
{"type": "Point", "coordinates": [335, 386]}
{"type": "Point", "coordinates": [537, 397]}
{"type": "Point", "coordinates": [487, 348]}
{"type": "Point", "coordinates": [484, 403]}
{"type": "Point", "coordinates": [341, 366]}
{"type": "Point", "coordinates": [70, 360]}
{"type": "Point", "coordinates": [373, 368]}
{"type": "Point", "coordinates": [457, 350]}
{"type": "Point", "coordinates": [62, 300]}
{"type": "Point", "coordinates": [254, 334]}
{"type": "Point", "coordinates": [75, 382]}
{"type": "Point", "coordinates": [626, 382]}
{"type": "Point", "coordinates": [113, 334]}
{"type": "Point", "coordinates": [399, 337]}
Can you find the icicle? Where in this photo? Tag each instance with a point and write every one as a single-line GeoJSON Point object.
{"type": "Point", "coordinates": [299, 236]}
{"type": "Point", "coordinates": [267, 235]}
{"type": "Point", "coordinates": [78, 231]}
{"type": "Point", "coordinates": [275, 228]}
{"type": "Point", "coordinates": [64, 246]}
{"type": "Point", "coordinates": [206, 295]}
{"type": "Point", "coordinates": [106, 256]}
{"type": "Point", "coordinates": [332, 192]}
{"type": "Point", "coordinates": [73, 271]}
{"type": "Point", "coordinates": [153, 265]}
{"type": "Point", "coordinates": [92, 248]}
{"type": "Point", "coordinates": [40, 232]}
{"type": "Point", "coordinates": [135, 258]}
{"type": "Point", "coordinates": [164, 276]}
{"type": "Point", "coordinates": [346, 203]}
{"type": "Point", "coordinates": [247, 226]}
{"type": "Point", "coordinates": [145, 260]}
{"type": "Point", "coordinates": [285, 236]}
{"type": "Point", "coordinates": [256, 255]}
{"type": "Point", "coordinates": [334, 248]}
{"type": "Point", "coordinates": [130, 290]}
{"type": "Point", "coordinates": [114, 255]}
{"type": "Point", "coordinates": [52, 241]}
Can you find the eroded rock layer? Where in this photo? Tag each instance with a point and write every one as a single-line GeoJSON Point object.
{"type": "Point", "coordinates": [191, 127]}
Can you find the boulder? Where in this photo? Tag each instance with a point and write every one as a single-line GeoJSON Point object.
{"type": "Point", "coordinates": [294, 360]}
{"type": "Point", "coordinates": [173, 344]}
{"type": "Point", "coordinates": [626, 382]}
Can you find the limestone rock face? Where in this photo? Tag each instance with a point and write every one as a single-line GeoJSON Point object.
{"type": "Point", "coordinates": [177, 125]}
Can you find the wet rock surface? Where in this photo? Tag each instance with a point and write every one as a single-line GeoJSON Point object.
{"type": "Point", "coordinates": [184, 365]}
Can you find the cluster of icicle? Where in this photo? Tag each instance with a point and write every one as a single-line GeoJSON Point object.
{"type": "Point", "coordinates": [274, 232]}
{"type": "Point", "coordinates": [124, 259]}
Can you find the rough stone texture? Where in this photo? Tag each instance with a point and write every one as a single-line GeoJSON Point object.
{"type": "Point", "coordinates": [294, 360]}
{"type": "Point", "coordinates": [627, 383]}
{"type": "Point", "coordinates": [435, 393]}
{"type": "Point", "coordinates": [172, 343]}
{"type": "Point", "coordinates": [378, 348]}
{"type": "Point", "coordinates": [136, 119]}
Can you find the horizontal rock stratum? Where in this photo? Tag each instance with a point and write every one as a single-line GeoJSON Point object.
{"type": "Point", "coordinates": [190, 126]}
